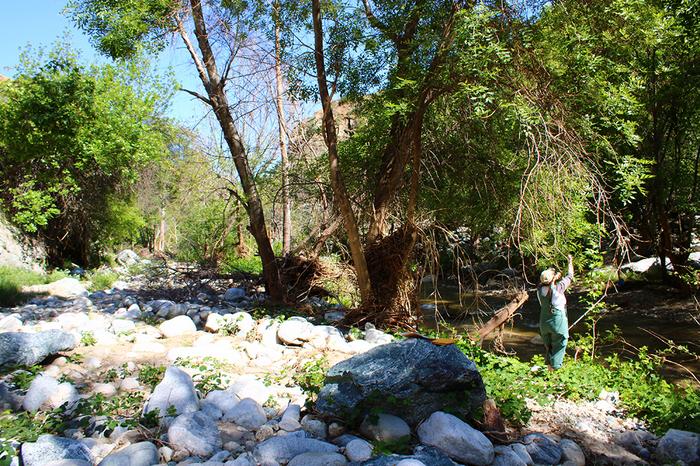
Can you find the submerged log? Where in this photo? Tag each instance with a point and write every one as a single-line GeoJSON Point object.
{"type": "Point", "coordinates": [503, 314]}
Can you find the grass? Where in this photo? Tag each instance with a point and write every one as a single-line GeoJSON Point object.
{"type": "Point", "coordinates": [102, 279]}
{"type": "Point", "coordinates": [12, 279]}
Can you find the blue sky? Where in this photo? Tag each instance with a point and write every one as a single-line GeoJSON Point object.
{"type": "Point", "coordinates": [40, 23]}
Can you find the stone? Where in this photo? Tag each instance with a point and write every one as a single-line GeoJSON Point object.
{"type": "Point", "coordinates": [542, 449]}
{"type": "Point", "coordinates": [358, 450]}
{"type": "Point", "coordinates": [411, 378]}
{"type": "Point", "coordinates": [165, 453]}
{"type": "Point", "coordinates": [521, 451]}
{"type": "Point", "coordinates": [283, 449]}
{"type": "Point", "coordinates": [129, 384]}
{"type": "Point", "coordinates": [456, 439]}
{"type": "Point", "coordinates": [9, 399]}
{"type": "Point", "coordinates": [106, 389]}
{"type": "Point", "coordinates": [376, 337]}
{"type": "Point", "coordinates": [28, 349]}
{"type": "Point", "coordinates": [410, 462]}
{"type": "Point", "coordinates": [264, 432]}
{"type": "Point", "coordinates": [295, 331]}
{"type": "Point", "coordinates": [177, 390]}
{"type": "Point", "coordinates": [47, 392]}
{"type": "Point", "coordinates": [315, 427]}
{"type": "Point", "coordinates": [679, 445]}
{"type": "Point", "coordinates": [234, 294]}
{"type": "Point", "coordinates": [222, 400]}
{"type": "Point", "coordinates": [505, 456]}
{"type": "Point", "coordinates": [214, 322]}
{"type": "Point", "coordinates": [10, 324]}
{"type": "Point", "coordinates": [65, 288]}
{"type": "Point", "coordinates": [247, 413]}
{"type": "Point", "coordinates": [385, 428]}
{"type": "Point", "coordinates": [48, 448]}
{"type": "Point", "coordinates": [571, 453]}
{"type": "Point", "coordinates": [290, 418]}
{"type": "Point", "coordinates": [177, 326]}
{"type": "Point", "coordinates": [649, 265]}
{"type": "Point", "coordinates": [239, 323]}
{"type": "Point", "coordinates": [195, 433]}
{"type": "Point", "coordinates": [127, 258]}
{"type": "Point", "coordinates": [248, 386]}
{"type": "Point", "coordinates": [334, 316]}
{"type": "Point", "coordinates": [336, 429]}
{"type": "Point", "coordinates": [68, 463]}
{"type": "Point", "coordinates": [136, 454]}
{"type": "Point", "coordinates": [123, 326]}
{"type": "Point", "coordinates": [318, 459]}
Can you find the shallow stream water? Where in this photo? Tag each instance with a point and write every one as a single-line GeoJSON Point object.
{"type": "Point", "coordinates": [644, 319]}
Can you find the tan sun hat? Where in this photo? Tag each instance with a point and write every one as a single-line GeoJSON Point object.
{"type": "Point", "coordinates": [548, 276]}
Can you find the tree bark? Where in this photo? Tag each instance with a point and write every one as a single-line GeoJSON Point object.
{"type": "Point", "coordinates": [219, 102]}
{"type": "Point", "coordinates": [282, 124]}
{"type": "Point", "coordinates": [340, 194]}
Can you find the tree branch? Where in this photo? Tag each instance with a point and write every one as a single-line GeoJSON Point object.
{"type": "Point", "coordinates": [197, 95]}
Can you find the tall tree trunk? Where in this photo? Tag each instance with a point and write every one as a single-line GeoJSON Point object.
{"type": "Point", "coordinates": [340, 194]}
{"type": "Point", "coordinates": [282, 124]}
{"type": "Point", "coordinates": [219, 103]}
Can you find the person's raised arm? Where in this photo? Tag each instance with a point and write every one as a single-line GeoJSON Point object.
{"type": "Point", "coordinates": [566, 281]}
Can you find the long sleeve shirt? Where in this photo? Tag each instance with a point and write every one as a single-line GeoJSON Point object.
{"type": "Point", "coordinates": [558, 298]}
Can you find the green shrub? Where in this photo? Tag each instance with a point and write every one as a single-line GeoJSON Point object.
{"type": "Point", "coordinates": [251, 265]}
{"type": "Point", "coordinates": [312, 376]}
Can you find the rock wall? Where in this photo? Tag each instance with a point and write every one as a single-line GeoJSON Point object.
{"type": "Point", "coordinates": [18, 251]}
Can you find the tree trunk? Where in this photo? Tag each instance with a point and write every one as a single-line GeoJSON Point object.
{"type": "Point", "coordinates": [219, 103]}
{"type": "Point", "coordinates": [282, 124]}
{"type": "Point", "coordinates": [340, 194]}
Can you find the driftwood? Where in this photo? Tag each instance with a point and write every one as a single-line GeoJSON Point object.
{"type": "Point", "coordinates": [503, 314]}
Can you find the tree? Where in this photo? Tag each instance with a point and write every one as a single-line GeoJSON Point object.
{"type": "Point", "coordinates": [72, 142]}
{"type": "Point", "coordinates": [119, 29]}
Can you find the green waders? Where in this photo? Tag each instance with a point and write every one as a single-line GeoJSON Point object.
{"type": "Point", "coordinates": [554, 329]}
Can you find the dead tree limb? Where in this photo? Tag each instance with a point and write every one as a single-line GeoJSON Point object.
{"type": "Point", "coordinates": [503, 314]}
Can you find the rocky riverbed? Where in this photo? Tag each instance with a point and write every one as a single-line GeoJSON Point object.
{"type": "Point", "coordinates": [214, 380]}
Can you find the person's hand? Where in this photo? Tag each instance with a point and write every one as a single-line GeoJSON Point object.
{"type": "Point", "coordinates": [571, 259]}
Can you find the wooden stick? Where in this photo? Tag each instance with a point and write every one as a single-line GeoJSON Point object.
{"type": "Point", "coordinates": [503, 314]}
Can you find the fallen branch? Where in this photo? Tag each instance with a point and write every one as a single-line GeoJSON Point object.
{"type": "Point", "coordinates": [503, 314]}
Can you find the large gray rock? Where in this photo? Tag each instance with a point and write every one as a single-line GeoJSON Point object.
{"type": "Point", "coordinates": [412, 379]}
{"type": "Point", "coordinates": [283, 449]}
{"type": "Point", "coordinates": [542, 449]}
{"type": "Point", "coordinates": [456, 439]}
{"type": "Point", "coordinates": [427, 456]}
{"type": "Point", "coordinates": [136, 454]}
{"type": "Point", "coordinates": [127, 258]}
{"type": "Point", "coordinates": [679, 445]}
{"type": "Point", "coordinates": [27, 349]}
{"type": "Point", "coordinates": [196, 433]}
{"type": "Point", "coordinates": [177, 390]}
{"type": "Point", "coordinates": [50, 448]}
